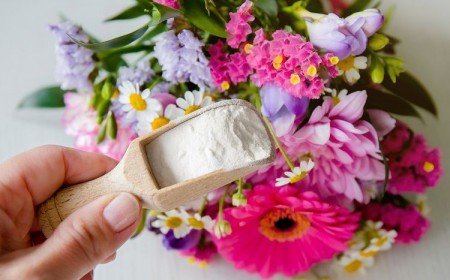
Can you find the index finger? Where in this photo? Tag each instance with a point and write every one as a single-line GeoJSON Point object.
{"type": "Point", "coordinates": [41, 171]}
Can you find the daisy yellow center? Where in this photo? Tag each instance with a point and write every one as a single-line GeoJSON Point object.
{"type": "Point", "coordinates": [295, 79]}
{"type": "Point", "coordinates": [225, 85]}
{"type": "Point", "coordinates": [334, 60]}
{"type": "Point", "coordinates": [283, 225]}
{"type": "Point", "coordinates": [173, 222]}
{"type": "Point", "coordinates": [191, 108]}
{"type": "Point", "coordinates": [353, 266]}
{"type": "Point", "coordinates": [297, 177]}
{"type": "Point", "coordinates": [381, 241]}
{"type": "Point", "coordinates": [428, 167]}
{"type": "Point", "coordinates": [137, 102]}
{"type": "Point", "coordinates": [202, 264]}
{"type": "Point", "coordinates": [277, 61]}
{"type": "Point", "coordinates": [311, 71]}
{"type": "Point", "coordinates": [115, 94]}
{"type": "Point", "coordinates": [159, 122]}
{"type": "Point", "coordinates": [368, 254]}
{"type": "Point", "coordinates": [247, 48]}
{"type": "Point", "coordinates": [196, 224]}
{"type": "Point", "coordinates": [347, 63]}
{"type": "Point", "coordinates": [336, 100]}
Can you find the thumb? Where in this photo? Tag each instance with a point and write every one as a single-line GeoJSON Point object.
{"type": "Point", "coordinates": [89, 236]}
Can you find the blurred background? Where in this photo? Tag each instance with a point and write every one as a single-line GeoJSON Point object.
{"type": "Point", "coordinates": [27, 62]}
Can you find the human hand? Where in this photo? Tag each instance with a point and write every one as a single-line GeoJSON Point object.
{"type": "Point", "coordinates": [86, 238]}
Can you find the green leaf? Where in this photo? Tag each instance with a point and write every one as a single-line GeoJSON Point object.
{"type": "Point", "coordinates": [159, 13]}
{"type": "Point", "coordinates": [410, 89]}
{"type": "Point", "coordinates": [101, 133]}
{"type": "Point", "coordinates": [390, 103]}
{"type": "Point", "coordinates": [131, 12]}
{"type": "Point", "coordinates": [315, 6]}
{"type": "Point", "coordinates": [394, 66]}
{"type": "Point", "coordinates": [357, 6]}
{"type": "Point", "coordinates": [48, 97]}
{"type": "Point", "coordinates": [270, 7]}
{"type": "Point", "coordinates": [195, 11]}
{"type": "Point", "coordinates": [116, 42]}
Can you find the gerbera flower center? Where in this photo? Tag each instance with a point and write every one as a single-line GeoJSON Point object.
{"type": "Point", "coordinates": [173, 222]}
{"type": "Point", "coordinates": [283, 224]}
{"type": "Point", "coordinates": [353, 266]}
{"type": "Point", "coordinates": [159, 122]}
{"type": "Point", "coordinates": [428, 167]}
{"type": "Point", "coordinates": [191, 109]}
{"type": "Point", "coordinates": [347, 63]}
{"type": "Point", "coordinates": [137, 102]}
{"type": "Point", "coordinates": [196, 224]}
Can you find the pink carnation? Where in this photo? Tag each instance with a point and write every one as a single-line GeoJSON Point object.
{"type": "Point", "coordinates": [283, 230]}
{"type": "Point", "coordinates": [344, 148]}
{"type": "Point", "coordinates": [79, 121]}
{"type": "Point", "coordinates": [408, 222]}
{"type": "Point", "coordinates": [169, 3]}
{"type": "Point", "coordinates": [289, 62]}
{"type": "Point", "coordinates": [238, 27]}
{"type": "Point", "coordinates": [395, 141]}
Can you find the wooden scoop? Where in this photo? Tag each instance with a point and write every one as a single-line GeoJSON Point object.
{"type": "Point", "coordinates": [133, 174]}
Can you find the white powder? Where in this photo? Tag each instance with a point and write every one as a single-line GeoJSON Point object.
{"type": "Point", "coordinates": [226, 137]}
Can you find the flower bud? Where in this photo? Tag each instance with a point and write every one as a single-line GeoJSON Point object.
{"type": "Point", "coordinates": [376, 70]}
{"type": "Point", "coordinates": [378, 42]}
{"type": "Point", "coordinates": [107, 90]}
{"type": "Point", "coordinates": [111, 126]}
{"type": "Point", "coordinates": [222, 229]}
{"type": "Point", "coordinates": [239, 199]}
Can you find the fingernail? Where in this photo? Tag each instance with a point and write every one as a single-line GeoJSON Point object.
{"type": "Point", "coordinates": [122, 212]}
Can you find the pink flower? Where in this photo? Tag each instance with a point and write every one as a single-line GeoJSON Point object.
{"type": "Point", "coordinates": [238, 27]}
{"type": "Point", "coordinates": [414, 167]}
{"type": "Point", "coordinates": [344, 148]}
{"type": "Point", "coordinates": [203, 252]}
{"type": "Point", "coordinates": [407, 221]}
{"type": "Point", "coordinates": [282, 230]}
{"type": "Point", "coordinates": [382, 121]}
{"type": "Point", "coordinates": [169, 3]}
{"type": "Point", "coordinates": [289, 62]}
{"type": "Point", "coordinates": [79, 121]}
{"type": "Point", "coordinates": [226, 68]}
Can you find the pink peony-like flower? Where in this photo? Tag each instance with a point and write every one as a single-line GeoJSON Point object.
{"type": "Point", "coordinates": [79, 121]}
{"type": "Point", "coordinates": [226, 68]}
{"type": "Point", "coordinates": [289, 62]}
{"type": "Point", "coordinates": [283, 230]}
{"type": "Point", "coordinates": [238, 27]}
{"type": "Point", "coordinates": [408, 222]}
{"type": "Point", "coordinates": [169, 3]}
{"type": "Point", "coordinates": [414, 167]}
{"type": "Point", "coordinates": [344, 148]}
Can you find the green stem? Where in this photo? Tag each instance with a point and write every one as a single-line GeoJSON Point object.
{"type": "Point", "coordinates": [277, 142]}
{"type": "Point", "coordinates": [240, 185]}
{"type": "Point", "coordinates": [221, 203]}
{"type": "Point", "coordinates": [202, 207]}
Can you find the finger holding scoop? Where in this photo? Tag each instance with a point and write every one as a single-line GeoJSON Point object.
{"type": "Point", "coordinates": [177, 163]}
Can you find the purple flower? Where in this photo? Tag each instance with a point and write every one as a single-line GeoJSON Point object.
{"type": "Point", "coordinates": [189, 241]}
{"type": "Point", "coordinates": [345, 37]}
{"type": "Point", "coordinates": [282, 109]}
{"type": "Point", "coordinates": [140, 74]}
{"type": "Point", "coordinates": [73, 62]}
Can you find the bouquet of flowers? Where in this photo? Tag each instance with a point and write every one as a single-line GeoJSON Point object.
{"type": "Point", "coordinates": [349, 178]}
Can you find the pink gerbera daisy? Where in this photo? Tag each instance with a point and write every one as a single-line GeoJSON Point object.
{"type": "Point", "coordinates": [283, 230]}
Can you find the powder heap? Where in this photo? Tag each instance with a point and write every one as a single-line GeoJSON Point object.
{"type": "Point", "coordinates": [227, 137]}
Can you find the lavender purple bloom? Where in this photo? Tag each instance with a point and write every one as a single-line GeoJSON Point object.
{"type": "Point", "coordinates": [73, 62]}
{"type": "Point", "coordinates": [282, 109]}
{"type": "Point", "coordinates": [182, 58]}
{"type": "Point", "coordinates": [184, 243]}
{"type": "Point", "coordinates": [345, 37]}
{"type": "Point", "coordinates": [140, 74]}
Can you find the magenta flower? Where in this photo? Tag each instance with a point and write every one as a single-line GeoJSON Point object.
{"type": "Point", "coordinates": [345, 37]}
{"type": "Point", "coordinates": [409, 224]}
{"type": "Point", "coordinates": [169, 3]}
{"type": "Point", "coordinates": [283, 230]}
{"type": "Point", "coordinates": [282, 109]}
{"type": "Point", "coordinates": [238, 27]}
{"type": "Point", "coordinates": [344, 148]}
{"type": "Point", "coordinates": [289, 62]}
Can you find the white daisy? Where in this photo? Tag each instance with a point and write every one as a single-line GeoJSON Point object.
{"type": "Point", "coordinates": [155, 120]}
{"type": "Point", "coordinates": [136, 104]}
{"type": "Point", "coordinates": [193, 100]}
{"type": "Point", "coordinates": [172, 220]}
{"type": "Point", "coordinates": [336, 96]}
{"type": "Point", "coordinates": [297, 174]}
{"type": "Point", "coordinates": [350, 67]}
{"type": "Point", "coordinates": [198, 222]}
{"type": "Point", "coordinates": [353, 262]}
{"type": "Point", "coordinates": [384, 240]}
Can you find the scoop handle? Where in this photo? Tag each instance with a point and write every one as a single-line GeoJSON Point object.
{"type": "Point", "coordinates": [67, 200]}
